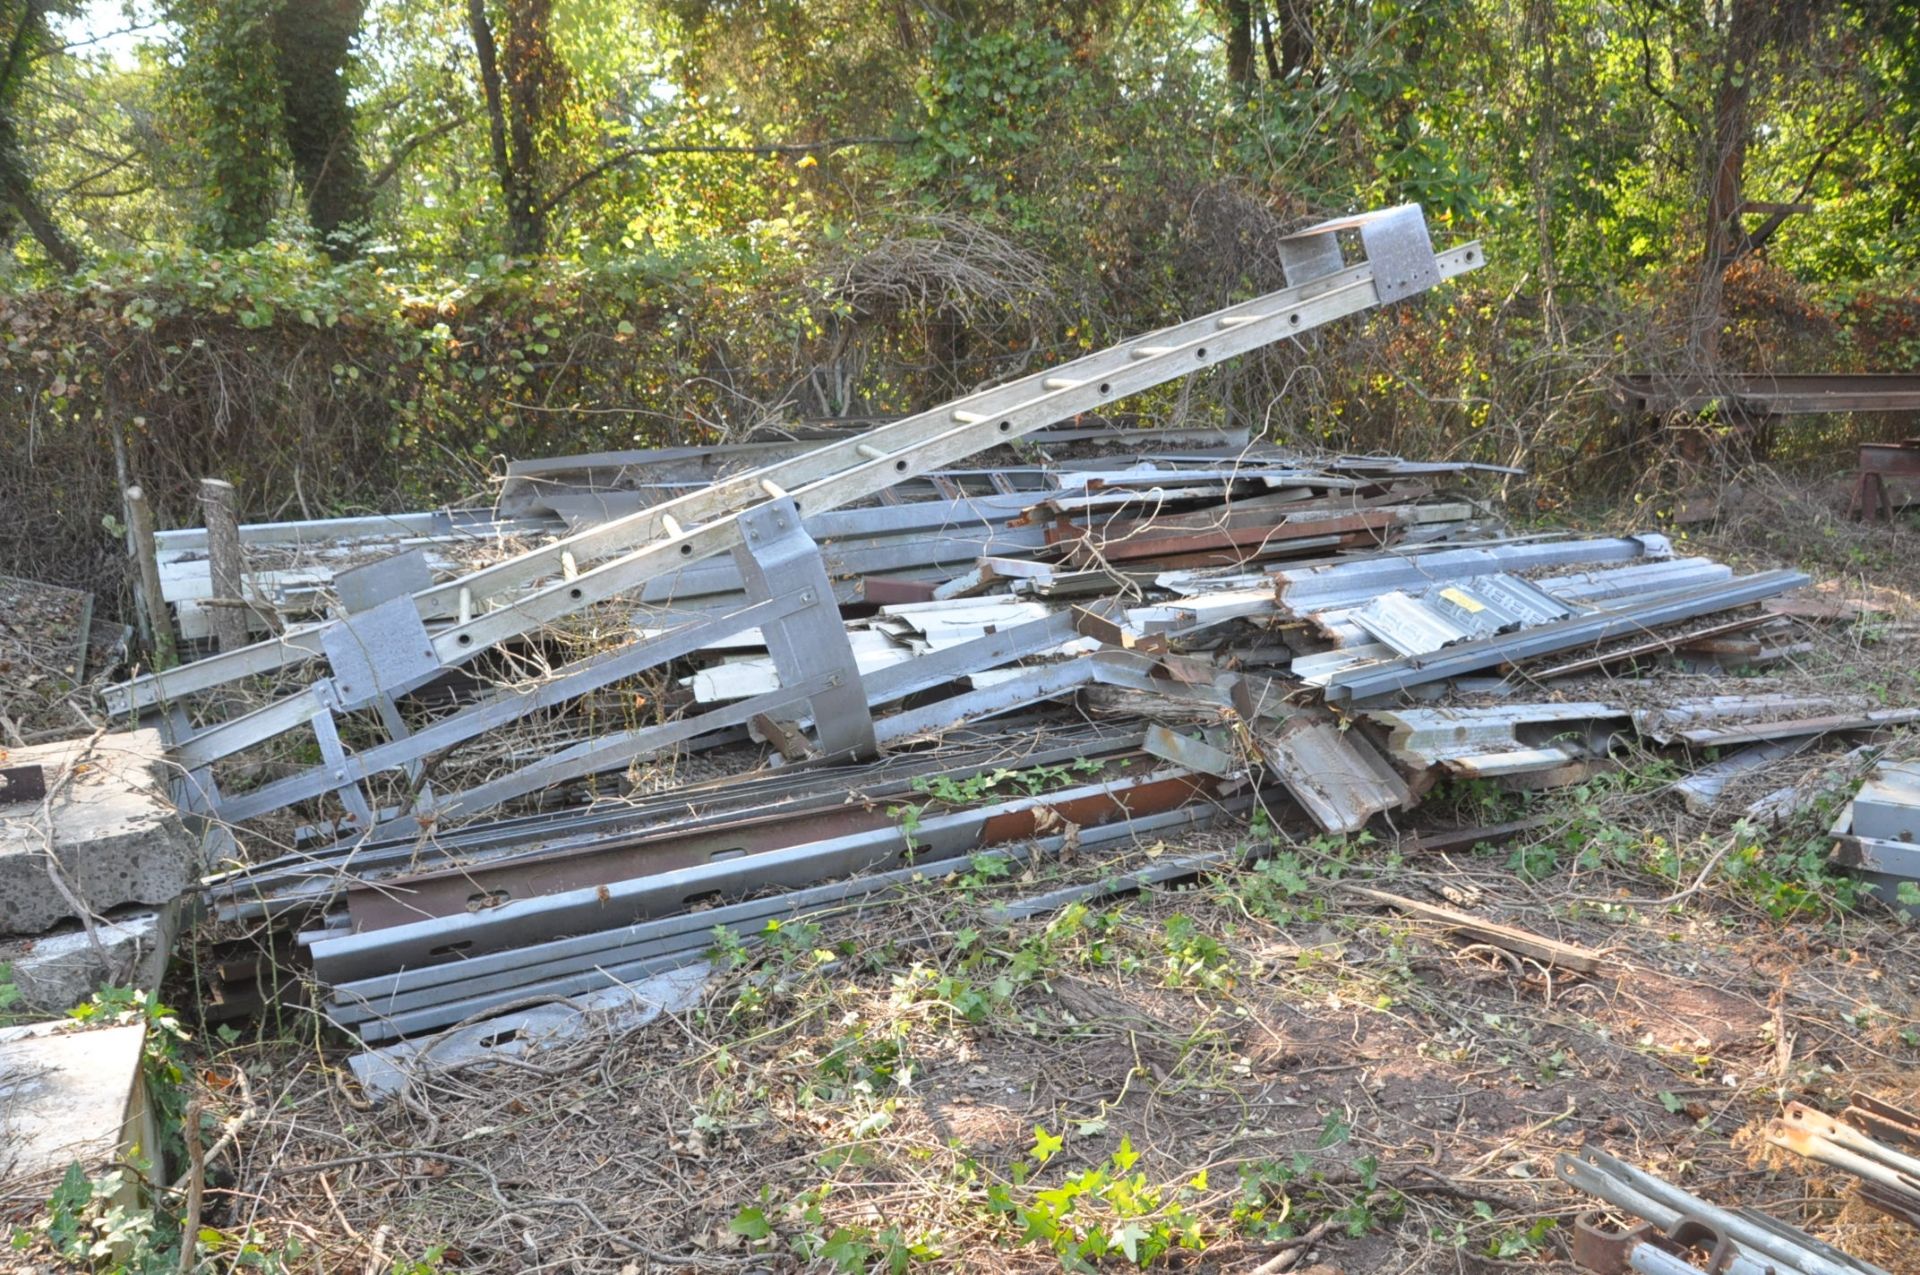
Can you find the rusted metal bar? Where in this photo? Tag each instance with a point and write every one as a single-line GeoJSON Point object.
{"type": "Point", "coordinates": [1895, 1175]}
{"type": "Point", "coordinates": [1770, 394]}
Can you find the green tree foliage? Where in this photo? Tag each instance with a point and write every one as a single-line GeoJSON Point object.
{"type": "Point", "coordinates": [229, 99]}
{"type": "Point", "coordinates": [401, 238]}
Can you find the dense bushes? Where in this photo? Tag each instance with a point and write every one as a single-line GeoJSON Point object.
{"type": "Point", "coordinates": [325, 389]}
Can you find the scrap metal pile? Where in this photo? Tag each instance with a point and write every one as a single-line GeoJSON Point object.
{"type": "Point", "coordinates": [813, 671]}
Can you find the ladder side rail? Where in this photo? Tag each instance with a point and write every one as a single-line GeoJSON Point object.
{"type": "Point", "coordinates": [1097, 379]}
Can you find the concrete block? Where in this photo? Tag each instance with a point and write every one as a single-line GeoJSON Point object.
{"type": "Point", "coordinates": [113, 830]}
{"type": "Point", "coordinates": [55, 972]}
{"type": "Point", "coordinates": [71, 1092]}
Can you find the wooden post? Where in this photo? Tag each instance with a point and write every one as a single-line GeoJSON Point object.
{"type": "Point", "coordinates": [153, 605]}
{"type": "Point", "coordinates": [228, 606]}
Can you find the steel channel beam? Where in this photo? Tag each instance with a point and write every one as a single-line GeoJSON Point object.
{"type": "Point", "coordinates": [1753, 732]}
{"type": "Point", "coordinates": [534, 840]}
{"type": "Point", "coordinates": [569, 682]}
{"type": "Point", "coordinates": [556, 870]}
{"type": "Point", "coordinates": [971, 830]}
{"type": "Point", "coordinates": [1467, 657]}
{"type": "Point", "coordinates": [376, 905]}
{"type": "Point", "coordinates": [838, 473]}
{"type": "Point", "coordinates": [596, 755]}
{"type": "Point", "coordinates": [452, 938]}
{"type": "Point", "coordinates": [1278, 536]}
{"type": "Point", "coordinates": [845, 560]}
{"type": "Point", "coordinates": [1042, 683]}
{"type": "Point", "coordinates": [613, 751]}
{"type": "Point", "coordinates": [587, 962]}
{"type": "Point", "coordinates": [311, 880]}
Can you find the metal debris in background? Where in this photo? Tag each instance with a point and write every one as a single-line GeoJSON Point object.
{"type": "Point", "coordinates": [1679, 1226]}
{"type": "Point", "coordinates": [1879, 462]}
{"type": "Point", "coordinates": [1877, 834]}
{"type": "Point", "coordinates": [1889, 1174]}
{"type": "Point", "coordinates": [544, 750]}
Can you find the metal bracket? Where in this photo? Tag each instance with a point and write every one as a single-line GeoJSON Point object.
{"type": "Point", "coordinates": [778, 556]}
{"type": "Point", "coordinates": [1604, 1251]}
{"type": "Point", "coordinates": [365, 587]}
{"type": "Point", "coordinates": [1395, 241]}
{"type": "Point", "coordinates": [335, 756]}
{"type": "Point", "coordinates": [1400, 252]}
{"type": "Point", "coordinates": [1312, 254]}
{"type": "Point", "coordinates": [381, 652]}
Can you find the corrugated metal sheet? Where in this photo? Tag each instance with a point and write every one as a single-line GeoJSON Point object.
{"type": "Point", "coordinates": [1338, 778]}
{"type": "Point", "coordinates": [1476, 607]}
{"type": "Point", "coordinates": [1305, 590]}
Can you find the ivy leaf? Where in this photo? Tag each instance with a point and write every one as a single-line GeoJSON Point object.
{"type": "Point", "coordinates": [1046, 1144]}
{"type": "Point", "coordinates": [752, 1223]}
{"type": "Point", "coordinates": [845, 1250]}
{"type": "Point", "coordinates": [1127, 1240]}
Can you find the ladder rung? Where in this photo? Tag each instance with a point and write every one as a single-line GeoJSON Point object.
{"type": "Point", "coordinates": [773, 489]}
{"type": "Point", "coordinates": [968, 418]}
{"type": "Point", "coordinates": [1061, 383]}
{"type": "Point", "coordinates": [870, 451]}
{"type": "Point", "coordinates": [672, 525]}
{"type": "Point", "coordinates": [466, 604]}
{"type": "Point", "coordinates": [1239, 320]}
{"type": "Point", "coordinates": [569, 566]}
{"type": "Point", "coordinates": [1152, 351]}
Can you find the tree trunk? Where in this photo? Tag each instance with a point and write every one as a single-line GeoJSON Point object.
{"type": "Point", "coordinates": [17, 187]}
{"type": "Point", "coordinates": [524, 232]}
{"type": "Point", "coordinates": [312, 39]}
{"type": "Point", "coordinates": [1296, 37]}
{"type": "Point", "coordinates": [1240, 71]}
{"type": "Point", "coordinates": [523, 87]}
{"type": "Point", "coordinates": [1266, 45]}
{"type": "Point", "coordinates": [16, 182]}
{"type": "Point", "coordinates": [1723, 167]}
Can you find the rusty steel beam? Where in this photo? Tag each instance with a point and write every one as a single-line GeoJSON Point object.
{"type": "Point", "coordinates": [474, 887]}
{"type": "Point", "coordinates": [1770, 394]}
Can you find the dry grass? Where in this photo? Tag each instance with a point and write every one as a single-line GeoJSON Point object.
{"type": "Point", "coordinates": [840, 1072]}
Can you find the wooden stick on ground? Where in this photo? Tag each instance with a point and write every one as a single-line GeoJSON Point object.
{"type": "Point", "coordinates": [1521, 942]}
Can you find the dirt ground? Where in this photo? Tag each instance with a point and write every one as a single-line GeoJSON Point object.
{"type": "Point", "coordinates": [1255, 1071]}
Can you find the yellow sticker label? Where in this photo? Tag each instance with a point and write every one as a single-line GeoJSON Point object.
{"type": "Point", "coordinates": [1460, 599]}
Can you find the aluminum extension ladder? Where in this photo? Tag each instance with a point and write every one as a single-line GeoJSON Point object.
{"type": "Point", "coordinates": [387, 649]}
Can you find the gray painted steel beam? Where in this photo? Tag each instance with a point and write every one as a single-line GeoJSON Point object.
{"type": "Point", "coordinates": [587, 962]}
{"type": "Point", "coordinates": [448, 938]}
